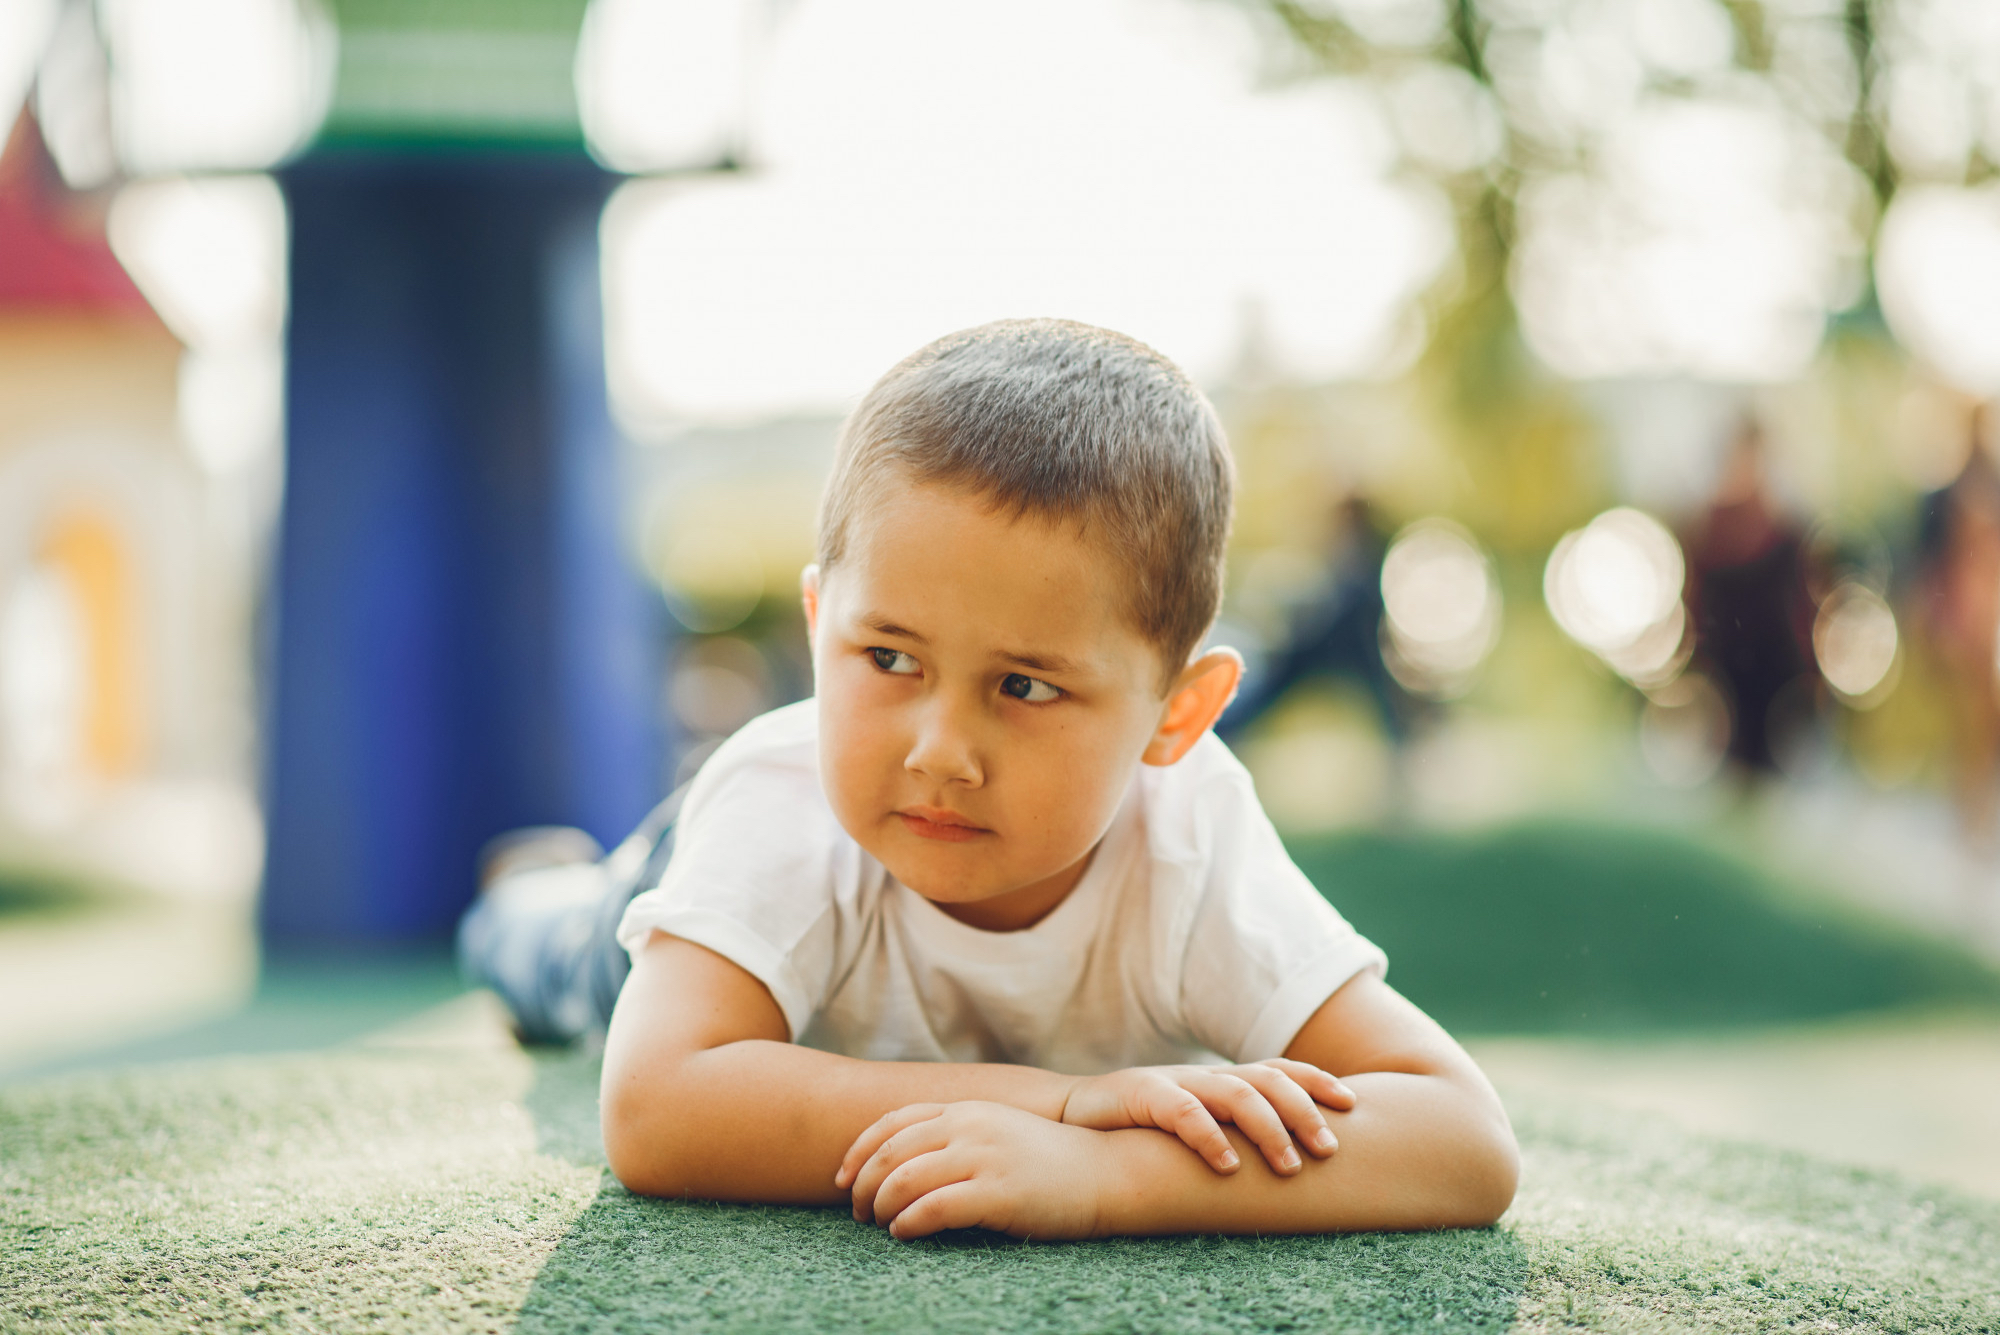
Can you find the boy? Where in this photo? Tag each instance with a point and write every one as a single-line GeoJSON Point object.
{"type": "Point", "coordinates": [953, 940]}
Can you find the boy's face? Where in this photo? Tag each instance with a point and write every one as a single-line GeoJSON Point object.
{"type": "Point", "coordinates": [983, 700]}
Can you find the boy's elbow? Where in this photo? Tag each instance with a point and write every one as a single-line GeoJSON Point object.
{"type": "Point", "coordinates": [639, 1143]}
{"type": "Point", "coordinates": [1490, 1173]}
{"type": "Point", "coordinates": [643, 1170]}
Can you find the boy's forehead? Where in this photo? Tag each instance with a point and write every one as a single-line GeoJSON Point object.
{"type": "Point", "coordinates": [930, 561]}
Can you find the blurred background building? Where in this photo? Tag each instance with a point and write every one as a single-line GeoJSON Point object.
{"type": "Point", "coordinates": [412, 414]}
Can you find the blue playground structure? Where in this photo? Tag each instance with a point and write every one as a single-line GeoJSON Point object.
{"type": "Point", "coordinates": [458, 643]}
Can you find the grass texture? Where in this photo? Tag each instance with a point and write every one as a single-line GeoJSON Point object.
{"type": "Point", "coordinates": [1555, 926]}
{"type": "Point", "coordinates": [454, 1183]}
{"type": "Point", "coordinates": [462, 1189]}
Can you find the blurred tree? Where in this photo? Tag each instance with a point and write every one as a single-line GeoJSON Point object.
{"type": "Point", "coordinates": [1504, 105]}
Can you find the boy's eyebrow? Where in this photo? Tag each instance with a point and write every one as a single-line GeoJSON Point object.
{"type": "Point", "coordinates": [1051, 663]}
{"type": "Point", "coordinates": [881, 625]}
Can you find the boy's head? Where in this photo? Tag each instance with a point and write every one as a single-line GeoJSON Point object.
{"type": "Point", "coordinates": [1068, 424]}
{"type": "Point", "coordinates": [1020, 548]}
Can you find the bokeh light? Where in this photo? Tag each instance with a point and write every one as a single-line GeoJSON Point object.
{"type": "Point", "coordinates": [231, 404]}
{"type": "Point", "coordinates": [72, 100]}
{"type": "Point", "coordinates": [208, 252]}
{"type": "Point", "coordinates": [1658, 654]}
{"type": "Point", "coordinates": [718, 684]}
{"type": "Point", "coordinates": [25, 26]}
{"type": "Point", "coordinates": [1614, 586]}
{"type": "Point", "coordinates": [1712, 240]}
{"type": "Point", "coordinates": [1856, 643]}
{"type": "Point", "coordinates": [215, 84]}
{"type": "Point", "coordinates": [711, 575]}
{"type": "Point", "coordinates": [1445, 118]}
{"type": "Point", "coordinates": [1684, 731]}
{"type": "Point", "coordinates": [1441, 606]}
{"type": "Point", "coordinates": [665, 84]}
{"type": "Point", "coordinates": [1938, 269]}
{"type": "Point", "coordinates": [42, 657]}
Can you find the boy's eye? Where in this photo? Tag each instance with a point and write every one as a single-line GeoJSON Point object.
{"type": "Point", "coordinates": [1031, 689]}
{"type": "Point", "coordinates": [896, 661]}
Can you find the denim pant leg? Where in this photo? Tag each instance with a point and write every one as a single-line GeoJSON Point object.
{"type": "Point", "coordinates": [545, 939]}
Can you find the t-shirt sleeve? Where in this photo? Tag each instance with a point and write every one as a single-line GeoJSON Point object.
{"type": "Point", "coordinates": [1265, 949]}
{"type": "Point", "coordinates": [758, 864]}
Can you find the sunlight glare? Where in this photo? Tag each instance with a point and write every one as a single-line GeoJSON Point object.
{"type": "Point", "coordinates": [907, 187]}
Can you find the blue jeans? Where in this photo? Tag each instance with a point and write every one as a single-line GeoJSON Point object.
{"type": "Point", "coordinates": [545, 939]}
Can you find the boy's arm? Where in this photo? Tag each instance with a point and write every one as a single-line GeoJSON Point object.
{"type": "Point", "coordinates": [1427, 1145]}
{"type": "Point", "coordinates": [704, 1095]}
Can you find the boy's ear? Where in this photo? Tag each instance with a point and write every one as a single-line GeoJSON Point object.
{"type": "Point", "coordinates": [809, 596]}
{"type": "Point", "coordinates": [1199, 695]}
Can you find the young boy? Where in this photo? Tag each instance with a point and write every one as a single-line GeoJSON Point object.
{"type": "Point", "coordinates": [959, 939]}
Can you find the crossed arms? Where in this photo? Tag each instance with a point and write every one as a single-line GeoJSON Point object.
{"type": "Point", "coordinates": [704, 1096]}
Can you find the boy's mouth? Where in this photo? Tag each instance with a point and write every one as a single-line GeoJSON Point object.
{"type": "Point", "coordinates": [937, 823]}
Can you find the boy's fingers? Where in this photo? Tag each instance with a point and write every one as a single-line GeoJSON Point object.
{"type": "Point", "coordinates": [1323, 1085]}
{"type": "Point", "coordinates": [916, 1178]}
{"type": "Point", "coordinates": [1243, 1103]}
{"type": "Point", "coordinates": [1294, 1106]}
{"type": "Point", "coordinates": [883, 1127]}
{"type": "Point", "coordinates": [921, 1137]}
{"type": "Point", "coordinates": [955, 1205]}
{"type": "Point", "coordinates": [1183, 1115]}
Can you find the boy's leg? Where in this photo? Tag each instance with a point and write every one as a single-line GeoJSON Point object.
{"type": "Point", "coordinates": [543, 931]}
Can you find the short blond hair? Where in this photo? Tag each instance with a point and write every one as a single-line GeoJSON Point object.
{"type": "Point", "coordinates": [1065, 422]}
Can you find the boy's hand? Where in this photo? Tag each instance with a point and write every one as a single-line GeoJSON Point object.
{"type": "Point", "coordinates": [933, 1166]}
{"type": "Point", "coordinates": [1269, 1101]}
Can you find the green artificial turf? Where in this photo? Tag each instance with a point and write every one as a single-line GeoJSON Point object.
{"type": "Point", "coordinates": [1551, 926]}
{"type": "Point", "coordinates": [460, 1186]}
{"type": "Point", "coordinates": [462, 1189]}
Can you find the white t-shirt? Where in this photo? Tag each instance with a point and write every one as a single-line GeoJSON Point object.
{"type": "Point", "coordinates": [1191, 934]}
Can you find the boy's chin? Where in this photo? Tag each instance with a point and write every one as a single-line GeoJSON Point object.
{"type": "Point", "coordinates": [962, 886]}
{"type": "Point", "coordinates": [942, 884]}
{"type": "Point", "coordinates": [938, 888]}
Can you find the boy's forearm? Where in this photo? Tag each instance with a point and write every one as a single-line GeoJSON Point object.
{"type": "Point", "coordinates": [1417, 1152]}
{"type": "Point", "coordinates": [768, 1121]}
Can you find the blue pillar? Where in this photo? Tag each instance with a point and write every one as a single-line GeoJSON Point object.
{"type": "Point", "coordinates": [460, 645]}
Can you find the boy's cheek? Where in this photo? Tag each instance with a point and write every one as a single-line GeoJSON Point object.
{"type": "Point", "coordinates": [858, 767]}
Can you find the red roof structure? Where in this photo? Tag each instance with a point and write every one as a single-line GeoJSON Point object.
{"type": "Point", "coordinates": [53, 252]}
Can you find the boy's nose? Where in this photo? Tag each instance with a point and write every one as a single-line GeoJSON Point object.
{"type": "Point", "coordinates": [943, 750]}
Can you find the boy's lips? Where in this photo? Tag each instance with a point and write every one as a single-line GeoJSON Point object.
{"type": "Point", "coordinates": [937, 823]}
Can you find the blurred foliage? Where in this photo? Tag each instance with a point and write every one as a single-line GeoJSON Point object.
{"type": "Point", "coordinates": [30, 892]}
{"type": "Point", "coordinates": [1554, 926]}
{"type": "Point", "coordinates": [1529, 461]}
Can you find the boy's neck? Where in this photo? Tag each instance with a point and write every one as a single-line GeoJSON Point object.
{"type": "Point", "coordinates": [1017, 910]}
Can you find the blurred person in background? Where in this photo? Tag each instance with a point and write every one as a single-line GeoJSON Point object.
{"type": "Point", "coordinates": [1335, 633]}
{"type": "Point", "coordinates": [1752, 612]}
{"type": "Point", "coordinates": [1959, 593]}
